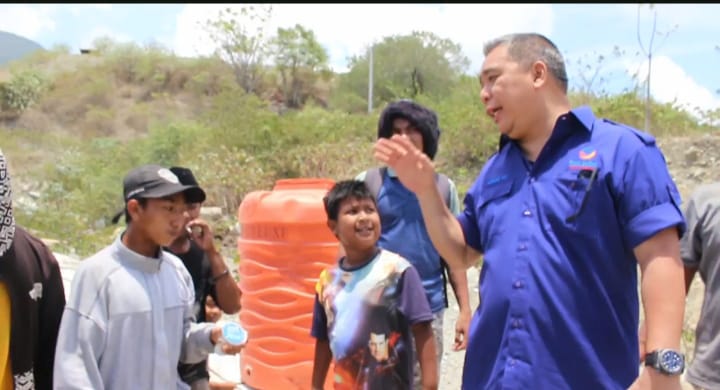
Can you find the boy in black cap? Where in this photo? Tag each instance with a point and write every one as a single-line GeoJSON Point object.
{"type": "Point", "coordinates": [211, 277]}
{"type": "Point", "coordinates": [403, 229]}
{"type": "Point", "coordinates": [130, 317]}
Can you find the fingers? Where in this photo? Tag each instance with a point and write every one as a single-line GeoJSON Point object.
{"type": "Point", "coordinates": [389, 149]}
{"type": "Point", "coordinates": [460, 340]}
{"type": "Point", "coordinates": [232, 349]}
{"type": "Point", "coordinates": [200, 228]}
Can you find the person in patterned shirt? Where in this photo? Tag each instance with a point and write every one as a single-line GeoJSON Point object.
{"type": "Point", "coordinates": [367, 311]}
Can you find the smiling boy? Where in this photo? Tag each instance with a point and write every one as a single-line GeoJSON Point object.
{"type": "Point", "coordinates": [373, 298]}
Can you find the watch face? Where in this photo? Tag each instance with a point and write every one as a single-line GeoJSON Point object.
{"type": "Point", "coordinates": [671, 362]}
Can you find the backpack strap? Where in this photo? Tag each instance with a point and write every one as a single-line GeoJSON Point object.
{"type": "Point", "coordinates": [373, 179]}
{"type": "Point", "coordinates": [443, 184]}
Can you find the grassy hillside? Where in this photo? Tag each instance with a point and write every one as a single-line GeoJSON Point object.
{"type": "Point", "coordinates": [75, 124]}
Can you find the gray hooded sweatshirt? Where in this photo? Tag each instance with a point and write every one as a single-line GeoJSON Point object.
{"type": "Point", "coordinates": [128, 322]}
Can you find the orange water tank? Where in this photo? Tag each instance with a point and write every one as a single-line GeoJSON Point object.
{"type": "Point", "coordinates": [284, 244]}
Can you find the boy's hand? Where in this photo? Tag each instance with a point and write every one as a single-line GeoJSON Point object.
{"type": "Point", "coordinates": [462, 326]}
{"type": "Point", "coordinates": [413, 167]}
{"type": "Point", "coordinates": [202, 234]}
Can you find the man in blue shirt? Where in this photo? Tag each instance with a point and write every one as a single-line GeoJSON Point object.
{"type": "Point", "coordinates": [563, 213]}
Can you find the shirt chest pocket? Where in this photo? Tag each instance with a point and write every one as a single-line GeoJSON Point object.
{"type": "Point", "coordinates": [492, 208]}
{"type": "Point", "coordinates": [579, 194]}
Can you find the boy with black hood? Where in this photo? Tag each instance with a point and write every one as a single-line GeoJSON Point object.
{"type": "Point", "coordinates": [32, 298]}
{"type": "Point", "coordinates": [403, 229]}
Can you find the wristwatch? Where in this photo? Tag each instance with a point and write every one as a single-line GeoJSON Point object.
{"type": "Point", "coordinates": [666, 361]}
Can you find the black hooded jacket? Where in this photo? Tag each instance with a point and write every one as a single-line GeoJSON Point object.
{"type": "Point", "coordinates": [424, 119]}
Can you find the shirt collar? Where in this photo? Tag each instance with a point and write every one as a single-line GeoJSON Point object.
{"type": "Point", "coordinates": [135, 260]}
{"type": "Point", "coordinates": [583, 114]}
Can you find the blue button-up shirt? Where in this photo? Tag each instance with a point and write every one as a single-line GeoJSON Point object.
{"type": "Point", "coordinates": [558, 285]}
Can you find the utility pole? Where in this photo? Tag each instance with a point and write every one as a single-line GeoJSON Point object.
{"type": "Point", "coordinates": [370, 80]}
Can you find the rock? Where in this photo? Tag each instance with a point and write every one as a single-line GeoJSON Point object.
{"type": "Point", "coordinates": [211, 213]}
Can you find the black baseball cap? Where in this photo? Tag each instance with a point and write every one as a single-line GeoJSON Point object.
{"type": "Point", "coordinates": [153, 181]}
{"type": "Point", "coordinates": [186, 177]}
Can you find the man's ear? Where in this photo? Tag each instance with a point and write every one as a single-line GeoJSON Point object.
{"type": "Point", "coordinates": [539, 73]}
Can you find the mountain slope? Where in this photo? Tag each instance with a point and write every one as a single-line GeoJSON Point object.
{"type": "Point", "coordinates": [13, 47]}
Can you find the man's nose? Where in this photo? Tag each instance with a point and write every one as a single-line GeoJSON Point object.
{"type": "Point", "coordinates": [485, 95]}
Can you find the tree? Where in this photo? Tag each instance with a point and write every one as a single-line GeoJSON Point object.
{"type": "Point", "coordinates": [299, 58]}
{"type": "Point", "coordinates": [242, 42]}
{"type": "Point", "coordinates": [649, 51]}
{"type": "Point", "coordinates": [405, 66]}
{"type": "Point", "coordinates": [591, 73]}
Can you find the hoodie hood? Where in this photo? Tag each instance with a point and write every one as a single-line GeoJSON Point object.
{"type": "Point", "coordinates": [7, 221]}
{"type": "Point", "coordinates": [424, 119]}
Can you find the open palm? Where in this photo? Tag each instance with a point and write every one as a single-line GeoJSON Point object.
{"type": "Point", "coordinates": [414, 169]}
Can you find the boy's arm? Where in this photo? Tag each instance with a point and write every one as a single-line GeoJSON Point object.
{"type": "Point", "coordinates": [323, 354]}
{"type": "Point", "coordinates": [52, 305]}
{"type": "Point", "coordinates": [425, 347]}
{"type": "Point", "coordinates": [198, 338]}
{"type": "Point", "coordinates": [80, 341]}
{"type": "Point", "coordinates": [459, 284]}
{"type": "Point", "coordinates": [321, 363]}
{"type": "Point", "coordinates": [225, 290]}
{"type": "Point", "coordinates": [418, 314]}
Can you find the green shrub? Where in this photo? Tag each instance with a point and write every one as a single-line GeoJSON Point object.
{"type": "Point", "coordinates": [23, 90]}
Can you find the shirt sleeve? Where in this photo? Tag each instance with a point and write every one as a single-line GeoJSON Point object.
{"type": "Point", "coordinates": [649, 199]}
{"type": "Point", "coordinates": [196, 345]}
{"type": "Point", "coordinates": [319, 322]}
{"type": "Point", "coordinates": [51, 311]}
{"type": "Point", "coordinates": [691, 244]}
{"type": "Point", "coordinates": [81, 339]}
{"type": "Point", "coordinates": [413, 303]}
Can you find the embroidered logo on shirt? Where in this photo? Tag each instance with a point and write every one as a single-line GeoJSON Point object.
{"type": "Point", "coordinates": [586, 160]}
{"type": "Point", "coordinates": [36, 292]}
{"type": "Point", "coordinates": [587, 153]}
{"type": "Point", "coordinates": [497, 179]}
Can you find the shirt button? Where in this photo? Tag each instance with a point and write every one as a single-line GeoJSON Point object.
{"type": "Point", "coordinates": [516, 324]}
{"type": "Point", "coordinates": [532, 180]}
{"type": "Point", "coordinates": [527, 213]}
{"type": "Point", "coordinates": [511, 362]}
{"type": "Point", "coordinates": [518, 284]}
{"type": "Point", "coordinates": [522, 247]}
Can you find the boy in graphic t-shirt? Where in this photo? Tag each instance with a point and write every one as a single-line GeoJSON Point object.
{"type": "Point", "coordinates": [367, 306]}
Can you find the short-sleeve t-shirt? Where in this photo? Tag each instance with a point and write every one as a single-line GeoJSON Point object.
{"type": "Point", "coordinates": [366, 314]}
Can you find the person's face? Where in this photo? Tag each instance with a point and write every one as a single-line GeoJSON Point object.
{"type": "Point", "coordinates": [212, 311]}
{"type": "Point", "coordinates": [508, 93]}
{"type": "Point", "coordinates": [358, 224]}
{"type": "Point", "coordinates": [378, 347]}
{"type": "Point", "coordinates": [403, 126]}
{"type": "Point", "coordinates": [193, 210]}
{"type": "Point", "coordinates": [161, 219]}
